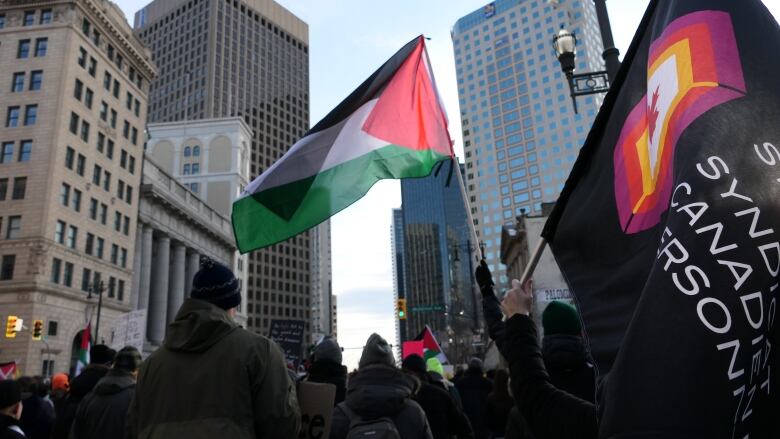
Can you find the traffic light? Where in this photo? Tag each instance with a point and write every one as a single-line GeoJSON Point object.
{"type": "Point", "coordinates": [400, 307]}
{"type": "Point", "coordinates": [13, 326]}
{"type": "Point", "coordinates": [37, 331]}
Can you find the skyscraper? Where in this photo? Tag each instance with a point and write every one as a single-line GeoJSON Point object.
{"type": "Point", "coordinates": [73, 87]}
{"type": "Point", "coordinates": [246, 58]}
{"type": "Point", "coordinates": [432, 238]}
{"type": "Point", "coordinates": [520, 133]}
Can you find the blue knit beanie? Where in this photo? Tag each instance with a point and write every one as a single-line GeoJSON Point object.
{"type": "Point", "coordinates": [216, 284]}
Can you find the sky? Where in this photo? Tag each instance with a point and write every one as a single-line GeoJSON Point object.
{"type": "Point", "coordinates": [348, 40]}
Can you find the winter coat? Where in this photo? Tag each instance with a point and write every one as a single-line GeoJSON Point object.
{"type": "Point", "coordinates": [444, 417]}
{"type": "Point", "coordinates": [37, 417]}
{"type": "Point", "coordinates": [213, 379]}
{"type": "Point", "coordinates": [474, 390]}
{"type": "Point", "coordinates": [516, 427]}
{"type": "Point", "coordinates": [377, 391]}
{"type": "Point", "coordinates": [541, 404]}
{"type": "Point", "coordinates": [567, 363]}
{"type": "Point", "coordinates": [329, 372]}
{"type": "Point", "coordinates": [102, 413]}
{"type": "Point", "coordinates": [498, 405]}
{"type": "Point", "coordinates": [437, 380]}
{"type": "Point", "coordinates": [10, 428]}
{"type": "Point", "coordinates": [79, 388]}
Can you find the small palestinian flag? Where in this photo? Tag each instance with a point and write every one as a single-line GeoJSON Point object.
{"type": "Point", "coordinates": [8, 371]}
{"type": "Point", "coordinates": [83, 359]}
{"type": "Point", "coordinates": [393, 126]}
{"type": "Point", "coordinates": [431, 348]}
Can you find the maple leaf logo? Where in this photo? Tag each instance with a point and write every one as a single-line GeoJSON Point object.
{"type": "Point", "coordinates": [653, 112]}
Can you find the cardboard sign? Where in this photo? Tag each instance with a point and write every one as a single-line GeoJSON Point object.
{"type": "Point", "coordinates": [288, 334]}
{"type": "Point", "coordinates": [316, 403]}
{"type": "Point", "coordinates": [129, 330]}
{"type": "Point", "coordinates": [412, 347]}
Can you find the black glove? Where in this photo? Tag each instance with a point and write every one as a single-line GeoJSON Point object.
{"type": "Point", "coordinates": [484, 278]}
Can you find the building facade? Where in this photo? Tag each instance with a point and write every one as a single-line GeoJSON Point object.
{"type": "Point", "coordinates": [520, 133]}
{"type": "Point", "coordinates": [73, 93]}
{"type": "Point", "coordinates": [244, 58]}
{"type": "Point", "coordinates": [321, 282]}
{"type": "Point", "coordinates": [399, 283]}
{"type": "Point", "coordinates": [175, 229]}
{"type": "Point", "coordinates": [438, 258]}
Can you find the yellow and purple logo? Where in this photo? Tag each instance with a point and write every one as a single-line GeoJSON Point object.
{"type": "Point", "coordinates": [692, 67]}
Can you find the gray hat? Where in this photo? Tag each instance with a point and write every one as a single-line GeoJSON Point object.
{"type": "Point", "coordinates": [377, 351]}
{"type": "Point", "coordinates": [328, 349]}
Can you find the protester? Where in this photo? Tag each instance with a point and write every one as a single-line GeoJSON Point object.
{"type": "Point", "coordinates": [564, 353]}
{"type": "Point", "coordinates": [10, 410]}
{"type": "Point", "coordinates": [326, 367]}
{"type": "Point", "coordinates": [474, 389]}
{"type": "Point", "coordinates": [499, 404]}
{"type": "Point", "coordinates": [212, 378]}
{"type": "Point", "coordinates": [102, 413]}
{"type": "Point", "coordinates": [60, 385]}
{"type": "Point", "coordinates": [541, 404]}
{"type": "Point", "coordinates": [436, 374]}
{"type": "Point", "coordinates": [444, 417]}
{"type": "Point", "coordinates": [38, 415]}
{"type": "Point", "coordinates": [379, 399]}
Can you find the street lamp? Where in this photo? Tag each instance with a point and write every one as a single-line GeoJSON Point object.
{"type": "Point", "coordinates": [98, 288]}
{"type": "Point", "coordinates": [588, 83]}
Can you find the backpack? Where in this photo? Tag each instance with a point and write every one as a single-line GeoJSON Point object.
{"type": "Point", "coordinates": [378, 428]}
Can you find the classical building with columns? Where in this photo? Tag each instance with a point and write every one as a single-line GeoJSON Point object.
{"type": "Point", "coordinates": [175, 228]}
{"type": "Point", "coordinates": [74, 82]}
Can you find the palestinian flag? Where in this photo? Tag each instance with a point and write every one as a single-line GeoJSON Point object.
{"type": "Point", "coordinates": [392, 126]}
{"type": "Point", "coordinates": [431, 348]}
{"type": "Point", "coordinates": [8, 371]}
{"type": "Point", "coordinates": [83, 351]}
{"type": "Point", "coordinates": [668, 228]}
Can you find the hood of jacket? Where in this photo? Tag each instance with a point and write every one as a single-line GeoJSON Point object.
{"type": "Point", "coordinates": [86, 381]}
{"type": "Point", "coordinates": [378, 390]}
{"type": "Point", "coordinates": [328, 371]}
{"type": "Point", "coordinates": [198, 326]}
{"type": "Point", "coordinates": [563, 352]}
{"type": "Point", "coordinates": [114, 382]}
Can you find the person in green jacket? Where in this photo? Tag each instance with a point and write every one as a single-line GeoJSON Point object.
{"type": "Point", "coordinates": [211, 378]}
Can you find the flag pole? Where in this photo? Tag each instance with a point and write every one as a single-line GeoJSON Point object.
{"type": "Point", "coordinates": [462, 185]}
{"type": "Point", "coordinates": [529, 269]}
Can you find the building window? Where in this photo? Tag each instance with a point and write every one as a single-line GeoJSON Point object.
{"type": "Point", "coordinates": [30, 114]}
{"type": "Point", "coordinates": [85, 131]}
{"type": "Point", "coordinates": [96, 38]}
{"type": "Point", "coordinates": [2, 21]}
{"type": "Point", "coordinates": [41, 44]}
{"type": "Point", "coordinates": [186, 170]}
{"type": "Point", "coordinates": [116, 89]}
{"type": "Point", "coordinates": [101, 141]}
{"type": "Point", "coordinates": [24, 49]}
{"type": "Point", "coordinates": [74, 123]}
{"type": "Point", "coordinates": [93, 209]}
{"type": "Point", "coordinates": [85, 275]}
{"type": "Point", "coordinates": [99, 247]}
{"type": "Point", "coordinates": [196, 151]}
{"type": "Point", "coordinates": [111, 287]}
{"type": "Point", "coordinates": [194, 187]}
{"type": "Point", "coordinates": [12, 118]}
{"type": "Point", "coordinates": [103, 214]}
{"type": "Point", "coordinates": [123, 258]}
{"type": "Point", "coordinates": [195, 168]}
{"type": "Point", "coordinates": [7, 267]}
{"type": "Point", "coordinates": [114, 254]}
{"type": "Point", "coordinates": [97, 173]}
{"type": "Point", "coordinates": [187, 151]}
{"type": "Point", "coordinates": [59, 232]}
{"type": "Point", "coordinates": [126, 130]}
{"type": "Point", "coordinates": [29, 18]}
{"type": "Point", "coordinates": [113, 119]}
{"type": "Point", "coordinates": [78, 90]}
{"type": "Point", "coordinates": [70, 154]}
{"type": "Point", "coordinates": [118, 219]}
{"type": "Point", "coordinates": [75, 201]}
{"type": "Point", "coordinates": [131, 165]}
{"type": "Point", "coordinates": [129, 194]}
{"type": "Point", "coordinates": [17, 84]}
{"type": "Point", "coordinates": [14, 227]}
{"type": "Point", "coordinates": [103, 111]}
{"type": "Point", "coordinates": [86, 26]}
{"type": "Point", "coordinates": [72, 237]}
{"type": "Point", "coordinates": [36, 80]}
{"type": "Point", "coordinates": [92, 70]}
{"type": "Point", "coordinates": [25, 151]}
{"type": "Point", "coordinates": [106, 181]}
{"type": "Point", "coordinates": [82, 59]}
{"type": "Point", "coordinates": [67, 275]}
{"type": "Point", "coordinates": [88, 95]}
{"type": "Point", "coordinates": [81, 163]}
{"type": "Point", "coordinates": [137, 108]}
{"type": "Point", "coordinates": [107, 81]}
{"type": "Point", "coordinates": [46, 16]}
{"type": "Point", "coordinates": [56, 270]}
{"type": "Point", "coordinates": [126, 225]}
{"type": "Point", "coordinates": [20, 188]}
{"type": "Point", "coordinates": [120, 293]}
{"type": "Point", "coordinates": [134, 136]}
{"type": "Point", "coordinates": [110, 51]}
{"type": "Point", "coordinates": [8, 152]}
{"type": "Point", "coordinates": [3, 188]}
{"type": "Point", "coordinates": [120, 192]}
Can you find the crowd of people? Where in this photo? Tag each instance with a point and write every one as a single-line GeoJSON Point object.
{"type": "Point", "coordinates": [212, 378]}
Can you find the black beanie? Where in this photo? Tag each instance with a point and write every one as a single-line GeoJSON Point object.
{"type": "Point", "coordinates": [10, 393]}
{"type": "Point", "coordinates": [101, 354]}
{"type": "Point", "coordinates": [128, 359]}
{"type": "Point", "coordinates": [216, 284]}
{"type": "Point", "coordinates": [414, 363]}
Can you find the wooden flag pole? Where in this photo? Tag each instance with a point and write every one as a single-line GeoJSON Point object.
{"type": "Point", "coordinates": [529, 269]}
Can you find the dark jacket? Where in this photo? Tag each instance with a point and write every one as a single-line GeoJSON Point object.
{"type": "Point", "coordinates": [80, 386]}
{"type": "Point", "coordinates": [377, 391]}
{"type": "Point", "coordinates": [103, 411]}
{"type": "Point", "coordinates": [9, 428]}
{"type": "Point", "coordinates": [474, 390]}
{"type": "Point", "coordinates": [541, 404]}
{"type": "Point", "coordinates": [498, 405]}
{"type": "Point", "coordinates": [444, 417]}
{"type": "Point", "coordinates": [330, 372]}
{"type": "Point", "coordinates": [213, 379]}
{"type": "Point", "coordinates": [37, 417]}
{"type": "Point", "coordinates": [567, 363]}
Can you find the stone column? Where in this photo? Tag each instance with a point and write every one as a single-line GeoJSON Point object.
{"type": "Point", "coordinates": [176, 293]}
{"type": "Point", "coordinates": [158, 300]}
{"type": "Point", "coordinates": [193, 264]}
{"type": "Point", "coordinates": [136, 287]}
{"type": "Point", "coordinates": [145, 277]}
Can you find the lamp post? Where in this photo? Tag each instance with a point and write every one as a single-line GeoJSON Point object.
{"type": "Point", "coordinates": [587, 83]}
{"type": "Point", "coordinates": [99, 288]}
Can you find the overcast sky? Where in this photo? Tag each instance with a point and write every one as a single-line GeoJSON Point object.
{"type": "Point", "coordinates": [349, 39]}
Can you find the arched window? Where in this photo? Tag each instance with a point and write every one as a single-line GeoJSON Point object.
{"type": "Point", "coordinates": [196, 151]}
{"type": "Point", "coordinates": [187, 151]}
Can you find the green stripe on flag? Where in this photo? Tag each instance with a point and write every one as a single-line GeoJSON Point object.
{"type": "Point", "coordinates": [255, 226]}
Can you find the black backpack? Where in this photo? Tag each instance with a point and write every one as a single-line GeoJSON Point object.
{"type": "Point", "coordinates": [359, 428]}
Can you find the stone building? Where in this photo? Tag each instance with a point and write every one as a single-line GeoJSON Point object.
{"type": "Point", "coordinates": [73, 96]}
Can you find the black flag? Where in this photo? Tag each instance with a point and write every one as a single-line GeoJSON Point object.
{"type": "Point", "coordinates": [668, 229]}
